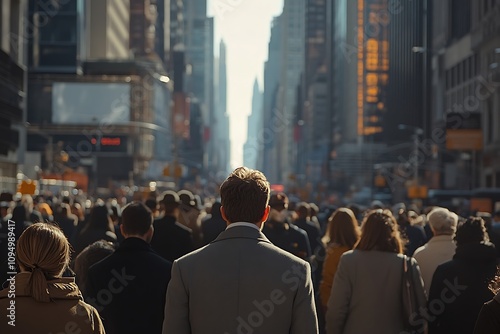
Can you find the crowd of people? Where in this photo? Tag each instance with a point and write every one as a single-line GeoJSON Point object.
{"type": "Point", "coordinates": [249, 261]}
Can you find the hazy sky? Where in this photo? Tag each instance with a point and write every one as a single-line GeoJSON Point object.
{"type": "Point", "coordinates": [245, 27]}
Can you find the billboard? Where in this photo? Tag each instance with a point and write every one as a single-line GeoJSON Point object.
{"type": "Point", "coordinates": [90, 103]}
{"type": "Point", "coordinates": [373, 65]}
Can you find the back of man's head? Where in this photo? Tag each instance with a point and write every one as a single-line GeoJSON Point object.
{"type": "Point", "coordinates": [136, 219]}
{"type": "Point", "coordinates": [303, 210]}
{"type": "Point", "coordinates": [187, 199]}
{"type": "Point", "coordinates": [442, 221]}
{"type": "Point", "coordinates": [245, 195]}
{"type": "Point", "coordinates": [170, 202]}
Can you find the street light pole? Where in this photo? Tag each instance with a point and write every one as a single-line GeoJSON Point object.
{"type": "Point", "coordinates": [416, 133]}
{"type": "Point", "coordinates": [415, 152]}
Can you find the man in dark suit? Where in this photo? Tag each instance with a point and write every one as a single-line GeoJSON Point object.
{"type": "Point", "coordinates": [128, 287]}
{"type": "Point", "coordinates": [241, 282]}
{"type": "Point", "coordinates": [283, 234]}
{"type": "Point", "coordinates": [303, 221]}
{"type": "Point", "coordinates": [171, 239]}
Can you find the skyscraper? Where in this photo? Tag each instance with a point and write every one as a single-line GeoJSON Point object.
{"type": "Point", "coordinates": [251, 148]}
{"type": "Point", "coordinates": [376, 86]}
{"type": "Point", "coordinates": [292, 66]}
{"type": "Point", "coordinates": [272, 123]}
{"type": "Point", "coordinates": [199, 58]}
{"type": "Point", "coordinates": [12, 89]}
{"type": "Point", "coordinates": [220, 124]}
{"type": "Point", "coordinates": [314, 117]}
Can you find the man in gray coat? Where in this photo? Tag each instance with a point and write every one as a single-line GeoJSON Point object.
{"type": "Point", "coordinates": [241, 283]}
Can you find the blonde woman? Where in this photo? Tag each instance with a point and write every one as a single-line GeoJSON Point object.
{"type": "Point", "coordinates": [45, 302]}
{"type": "Point", "coordinates": [342, 233]}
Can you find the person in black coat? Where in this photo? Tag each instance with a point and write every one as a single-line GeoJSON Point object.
{"type": "Point", "coordinates": [303, 221]}
{"type": "Point", "coordinates": [213, 225]}
{"type": "Point", "coordinates": [283, 234]}
{"type": "Point", "coordinates": [413, 234]}
{"type": "Point", "coordinates": [171, 239]}
{"type": "Point", "coordinates": [128, 288]}
{"type": "Point", "coordinates": [460, 286]}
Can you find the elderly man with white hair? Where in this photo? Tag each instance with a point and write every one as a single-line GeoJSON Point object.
{"type": "Point", "coordinates": [441, 247]}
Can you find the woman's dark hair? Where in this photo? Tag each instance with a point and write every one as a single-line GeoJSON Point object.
{"type": "Point", "coordinates": [342, 228]}
{"type": "Point", "coordinates": [379, 231]}
{"type": "Point", "coordinates": [100, 218]}
{"type": "Point", "coordinates": [471, 231]}
{"type": "Point", "coordinates": [20, 214]}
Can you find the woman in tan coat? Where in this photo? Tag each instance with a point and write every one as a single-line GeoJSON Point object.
{"type": "Point", "coordinates": [39, 299]}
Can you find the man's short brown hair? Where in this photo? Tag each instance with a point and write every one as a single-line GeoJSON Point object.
{"type": "Point", "coordinates": [245, 195]}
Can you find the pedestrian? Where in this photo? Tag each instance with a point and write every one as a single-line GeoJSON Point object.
{"type": "Point", "coordinates": [41, 300]}
{"type": "Point", "coordinates": [241, 282]}
{"type": "Point", "coordinates": [366, 295]}
{"type": "Point", "coordinates": [460, 287]}
{"type": "Point", "coordinates": [128, 287]}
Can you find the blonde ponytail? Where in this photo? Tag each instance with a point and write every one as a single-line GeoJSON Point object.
{"type": "Point", "coordinates": [38, 286]}
{"type": "Point", "coordinates": [44, 250]}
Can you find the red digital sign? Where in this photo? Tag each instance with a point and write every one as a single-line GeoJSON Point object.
{"type": "Point", "coordinates": [108, 141]}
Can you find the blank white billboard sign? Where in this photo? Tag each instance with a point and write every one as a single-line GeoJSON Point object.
{"type": "Point", "coordinates": [90, 103]}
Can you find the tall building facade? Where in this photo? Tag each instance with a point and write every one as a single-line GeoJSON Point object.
{"type": "Point", "coordinates": [313, 126]}
{"type": "Point", "coordinates": [199, 82]}
{"type": "Point", "coordinates": [251, 148]}
{"type": "Point", "coordinates": [291, 69]}
{"type": "Point", "coordinates": [485, 18]}
{"type": "Point", "coordinates": [13, 32]}
{"type": "Point", "coordinates": [219, 139]}
{"type": "Point", "coordinates": [272, 120]}
{"type": "Point", "coordinates": [375, 74]}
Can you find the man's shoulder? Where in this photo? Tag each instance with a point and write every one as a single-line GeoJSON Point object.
{"type": "Point", "coordinates": [262, 249]}
{"type": "Point", "coordinates": [143, 261]}
{"type": "Point", "coordinates": [294, 229]}
{"type": "Point", "coordinates": [172, 225]}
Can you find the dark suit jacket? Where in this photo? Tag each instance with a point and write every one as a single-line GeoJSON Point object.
{"type": "Point", "coordinates": [171, 239]}
{"type": "Point", "coordinates": [128, 288]}
{"type": "Point", "coordinates": [240, 283]}
{"type": "Point", "coordinates": [288, 237]}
